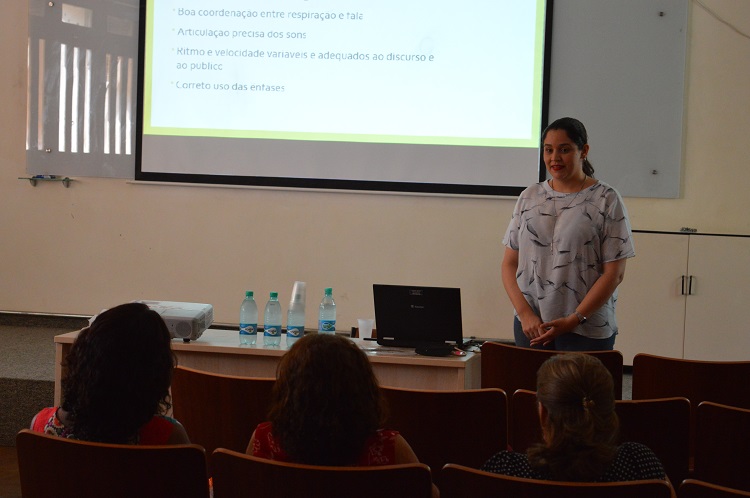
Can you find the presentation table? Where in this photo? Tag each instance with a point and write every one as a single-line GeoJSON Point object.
{"type": "Point", "coordinates": [219, 351]}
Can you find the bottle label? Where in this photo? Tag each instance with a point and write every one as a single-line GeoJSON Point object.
{"type": "Point", "coordinates": [248, 329]}
{"type": "Point", "coordinates": [272, 330]}
{"type": "Point", "coordinates": [327, 326]}
{"type": "Point", "coordinates": [294, 331]}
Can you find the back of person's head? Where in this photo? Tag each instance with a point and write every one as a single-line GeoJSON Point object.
{"type": "Point", "coordinates": [326, 401]}
{"type": "Point", "coordinates": [581, 426]}
{"type": "Point", "coordinates": [576, 133]}
{"type": "Point", "coordinates": [119, 370]}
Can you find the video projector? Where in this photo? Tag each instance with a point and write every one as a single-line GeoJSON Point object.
{"type": "Point", "coordinates": [185, 321]}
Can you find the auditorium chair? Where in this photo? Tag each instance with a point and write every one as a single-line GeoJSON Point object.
{"type": "Point", "coordinates": [693, 488]}
{"type": "Point", "coordinates": [717, 381]}
{"type": "Point", "coordinates": [52, 466]}
{"type": "Point", "coordinates": [511, 368]}
{"type": "Point", "coordinates": [722, 445]}
{"type": "Point", "coordinates": [465, 427]}
{"type": "Point", "coordinates": [219, 411]}
{"type": "Point", "coordinates": [460, 481]}
{"type": "Point", "coordinates": [237, 475]}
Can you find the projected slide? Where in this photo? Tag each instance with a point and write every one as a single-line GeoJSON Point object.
{"type": "Point", "coordinates": [247, 88]}
{"type": "Point", "coordinates": [405, 71]}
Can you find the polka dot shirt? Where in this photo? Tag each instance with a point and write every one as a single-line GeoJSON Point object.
{"type": "Point", "coordinates": [633, 462]}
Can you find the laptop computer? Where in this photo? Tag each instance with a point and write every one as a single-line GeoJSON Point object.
{"type": "Point", "coordinates": [417, 316]}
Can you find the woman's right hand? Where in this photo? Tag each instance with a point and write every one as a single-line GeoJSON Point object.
{"type": "Point", "coordinates": [531, 324]}
{"type": "Point", "coordinates": [530, 321]}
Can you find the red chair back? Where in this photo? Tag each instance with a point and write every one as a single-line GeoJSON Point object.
{"type": "Point", "coordinates": [722, 445]}
{"type": "Point", "coordinates": [430, 421]}
{"type": "Point", "coordinates": [460, 482]}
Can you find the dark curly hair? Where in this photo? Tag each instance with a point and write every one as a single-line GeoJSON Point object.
{"type": "Point", "coordinates": [119, 371]}
{"type": "Point", "coordinates": [576, 133]}
{"type": "Point", "coordinates": [326, 401]}
{"type": "Point", "coordinates": [581, 429]}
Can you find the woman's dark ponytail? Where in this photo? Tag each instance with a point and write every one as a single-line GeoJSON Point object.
{"type": "Point", "coordinates": [588, 168]}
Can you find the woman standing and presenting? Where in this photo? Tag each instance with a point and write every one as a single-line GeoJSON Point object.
{"type": "Point", "coordinates": [566, 248]}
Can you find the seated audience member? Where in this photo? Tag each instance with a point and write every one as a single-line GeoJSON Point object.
{"type": "Point", "coordinates": [327, 409]}
{"type": "Point", "coordinates": [579, 429]}
{"type": "Point", "coordinates": [116, 389]}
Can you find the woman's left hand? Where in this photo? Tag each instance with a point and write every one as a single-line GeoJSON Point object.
{"type": "Point", "coordinates": [612, 275]}
{"type": "Point", "coordinates": [553, 329]}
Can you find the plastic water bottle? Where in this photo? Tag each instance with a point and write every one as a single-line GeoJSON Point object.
{"type": "Point", "coordinates": [295, 317]}
{"type": "Point", "coordinates": [272, 321]}
{"type": "Point", "coordinates": [327, 313]}
{"type": "Point", "coordinates": [248, 319]}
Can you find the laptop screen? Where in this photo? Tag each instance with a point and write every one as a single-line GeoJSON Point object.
{"type": "Point", "coordinates": [414, 316]}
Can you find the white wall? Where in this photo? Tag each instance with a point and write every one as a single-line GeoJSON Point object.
{"type": "Point", "coordinates": [104, 241]}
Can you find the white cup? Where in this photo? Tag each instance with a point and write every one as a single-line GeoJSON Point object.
{"type": "Point", "coordinates": [365, 327]}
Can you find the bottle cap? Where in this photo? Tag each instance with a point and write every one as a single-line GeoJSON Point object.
{"type": "Point", "coordinates": [329, 291]}
{"type": "Point", "coordinates": [298, 292]}
{"type": "Point", "coordinates": [274, 295]}
{"type": "Point", "coordinates": [248, 293]}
